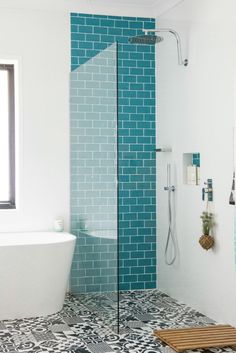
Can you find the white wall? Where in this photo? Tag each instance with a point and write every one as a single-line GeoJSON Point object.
{"type": "Point", "coordinates": [37, 34]}
{"type": "Point", "coordinates": [40, 43]}
{"type": "Point", "coordinates": [196, 113]}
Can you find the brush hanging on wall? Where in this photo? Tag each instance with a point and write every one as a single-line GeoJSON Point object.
{"type": "Point", "coordinates": [232, 193]}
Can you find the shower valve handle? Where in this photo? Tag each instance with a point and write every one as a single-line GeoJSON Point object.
{"type": "Point", "coordinates": [169, 188]}
{"type": "Point", "coordinates": [207, 190]}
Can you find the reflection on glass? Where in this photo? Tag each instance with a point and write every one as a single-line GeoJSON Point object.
{"type": "Point", "coordinates": [94, 183]}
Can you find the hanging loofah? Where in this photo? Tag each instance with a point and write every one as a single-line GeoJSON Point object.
{"type": "Point", "coordinates": [206, 241]}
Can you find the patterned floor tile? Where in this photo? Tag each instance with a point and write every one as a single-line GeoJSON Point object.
{"type": "Point", "coordinates": [100, 348]}
{"type": "Point", "coordinates": [2, 326]}
{"type": "Point", "coordinates": [135, 324]}
{"type": "Point", "coordinates": [60, 328]}
{"type": "Point", "coordinates": [73, 320]}
{"type": "Point", "coordinates": [43, 336]}
{"type": "Point", "coordinates": [145, 317]}
{"type": "Point", "coordinates": [87, 324]}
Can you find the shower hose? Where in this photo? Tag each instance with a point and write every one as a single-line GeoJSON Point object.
{"type": "Point", "coordinates": [170, 235]}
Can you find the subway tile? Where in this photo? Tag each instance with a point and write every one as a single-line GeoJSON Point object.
{"type": "Point", "coordinates": [124, 256]}
{"type": "Point", "coordinates": [150, 284]}
{"type": "Point", "coordinates": [149, 24]}
{"type": "Point", "coordinates": [90, 53]}
{"type": "Point", "coordinates": [125, 286]}
{"type": "Point", "coordinates": [137, 62]}
{"type": "Point", "coordinates": [144, 278]}
{"type": "Point", "coordinates": [77, 52]}
{"type": "Point", "coordinates": [85, 45]}
{"type": "Point", "coordinates": [97, 16]}
{"type": "Point", "coordinates": [84, 15]}
{"type": "Point", "coordinates": [93, 288]}
{"type": "Point", "coordinates": [114, 31]}
{"type": "Point", "coordinates": [77, 21]}
{"type": "Point", "coordinates": [100, 280]}
{"type": "Point", "coordinates": [130, 278]}
{"type": "Point", "coordinates": [107, 23]}
{"type": "Point", "coordinates": [129, 32]}
{"type": "Point", "coordinates": [109, 287]}
{"type": "Point", "coordinates": [85, 29]}
{"type": "Point", "coordinates": [85, 280]}
{"type": "Point", "coordinates": [91, 21]}
{"type": "Point", "coordinates": [138, 285]}
{"type": "Point", "coordinates": [136, 24]}
{"type": "Point", "coordinates": [121, 24]}
{"type": "Point", "coordinates": [107, 38]}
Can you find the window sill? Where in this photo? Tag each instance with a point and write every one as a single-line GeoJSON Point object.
{"type": "Point", "coordinates": [7, 206]}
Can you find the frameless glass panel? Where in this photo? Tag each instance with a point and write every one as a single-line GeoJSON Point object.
{"type": "Point", "coordinates": [94, 276]}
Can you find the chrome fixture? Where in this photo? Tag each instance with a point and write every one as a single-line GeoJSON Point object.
{"type": "Point", "coordinates": [144, 39]}
{"type": "Point", "coordinates": [169, 188]}
{"type": "Point", "coordinates": [150, 38]}
{"type": "Point", "coordinates": [170, 235]}
{"type": "Point", "coordinates": [164, 149]}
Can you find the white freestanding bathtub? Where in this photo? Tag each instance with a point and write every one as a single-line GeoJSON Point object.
{"type": "Point", "coordinates": [34, 271]}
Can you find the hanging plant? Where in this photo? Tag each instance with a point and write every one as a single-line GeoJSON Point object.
{"type": "Point", "coordinates": [206, 240]}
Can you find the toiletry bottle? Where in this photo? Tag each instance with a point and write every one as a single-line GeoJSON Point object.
{"type": "Point", "coordinates": [59, 225]}
{"type": "Point", "coordinates": [191, 175]}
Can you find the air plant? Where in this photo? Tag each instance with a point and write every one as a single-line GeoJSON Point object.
{"type": "Point", "coordinates": [207, 222]}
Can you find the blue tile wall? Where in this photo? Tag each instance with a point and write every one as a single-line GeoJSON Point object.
{"type": "Point", "coordinates": [90, 34]}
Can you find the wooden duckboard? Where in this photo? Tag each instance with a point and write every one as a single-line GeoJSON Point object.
{"type": "Point", "coordinates": [217, 336]}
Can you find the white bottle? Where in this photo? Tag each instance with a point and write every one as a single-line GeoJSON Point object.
{"type": "Point", "coordinates": [59, 225]}
{"type": "Point", "coordinates": [192, 175]}
{"type": "Point", "coordinates": [198, 176]}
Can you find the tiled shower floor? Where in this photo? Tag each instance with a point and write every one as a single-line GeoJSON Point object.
{"type": "Point", "coordinates": [79, 327]}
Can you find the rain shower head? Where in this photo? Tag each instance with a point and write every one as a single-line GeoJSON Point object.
{"type": "Point", "coordinates": [145, 39]}
{"type": "Point", "coordinates": [149, 37]}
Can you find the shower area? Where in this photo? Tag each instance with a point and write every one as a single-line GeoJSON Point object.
{"type": "Point", "coordinates": [113, 162]}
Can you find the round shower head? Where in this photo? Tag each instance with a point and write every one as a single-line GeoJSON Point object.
{"type": "Point", "coordinates": [146, 39]}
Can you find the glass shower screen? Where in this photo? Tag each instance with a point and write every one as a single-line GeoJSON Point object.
{"type": "Point", "coordinates": [94, 275]}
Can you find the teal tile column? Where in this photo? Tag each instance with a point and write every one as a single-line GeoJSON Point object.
{"type": "Point", "coordinates": [90, 34]}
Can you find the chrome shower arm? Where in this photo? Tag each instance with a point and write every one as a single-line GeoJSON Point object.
{"type": "Point", "coordinates": [181, 61]}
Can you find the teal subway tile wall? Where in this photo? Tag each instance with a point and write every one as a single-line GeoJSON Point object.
{"type": "Point", "coordinates": [90, 36]}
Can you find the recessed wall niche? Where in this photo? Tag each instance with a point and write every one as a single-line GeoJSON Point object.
{"type": "Point", "coordinates": [191, 168]}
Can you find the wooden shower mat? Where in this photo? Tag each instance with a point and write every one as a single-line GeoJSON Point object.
{"type": "Point", "coordinates": [217, 336]}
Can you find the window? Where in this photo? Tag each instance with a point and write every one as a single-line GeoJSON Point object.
{"type": "Point", "coordinates": [7, 136]}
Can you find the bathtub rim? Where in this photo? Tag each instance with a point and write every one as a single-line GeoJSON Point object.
{"type": "Point", "coordinates": [35, 238]}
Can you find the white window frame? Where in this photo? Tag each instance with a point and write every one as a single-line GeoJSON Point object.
{"type": "Point", "coordinates": [11, 203]}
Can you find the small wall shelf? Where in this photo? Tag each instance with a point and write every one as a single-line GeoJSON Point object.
{"type": "Point", "coordinates": [191, 168]}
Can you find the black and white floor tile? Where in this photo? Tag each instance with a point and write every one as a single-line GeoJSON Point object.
{"type": "Point", "coordinates": [86, 324]}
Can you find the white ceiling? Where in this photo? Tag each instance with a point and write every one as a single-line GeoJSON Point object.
{"type": "Point", "coordinates": [142, 3]}
{"type": "Point", "coordinates": [143, 8]}
{"type": "Point", "coordinates": [122, 6]}
{"type": "Point", "coordinates": [156, 7]}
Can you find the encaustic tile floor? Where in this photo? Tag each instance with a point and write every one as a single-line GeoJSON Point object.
{"type": "Point", "coordinates": [80, 328]}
